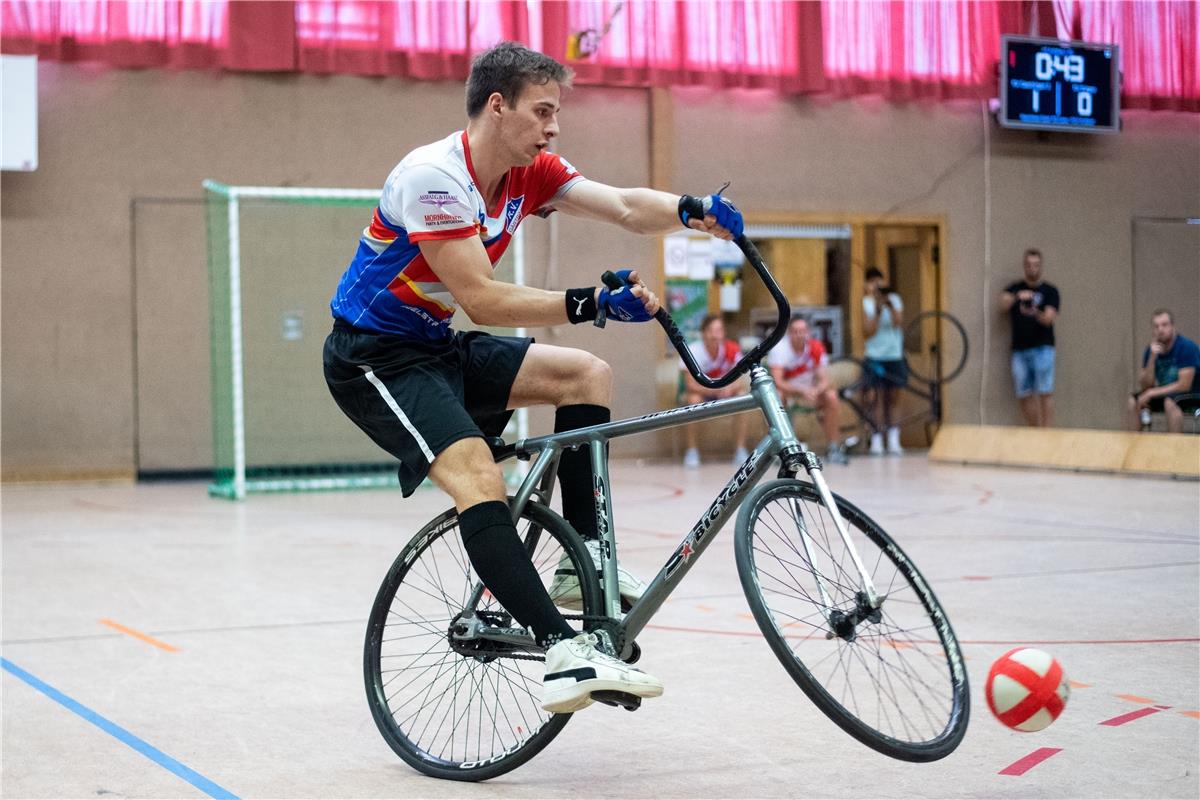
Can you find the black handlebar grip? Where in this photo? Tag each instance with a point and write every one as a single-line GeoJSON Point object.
{"type": "Point", "coordinates": [611, 280]}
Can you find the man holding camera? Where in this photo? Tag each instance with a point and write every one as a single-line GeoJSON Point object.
{"type": "Point", "coordinates": [1032, 305]}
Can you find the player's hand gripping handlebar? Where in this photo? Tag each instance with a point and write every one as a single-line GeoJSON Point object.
{"type": "Point", "coordinates": [749, 359]}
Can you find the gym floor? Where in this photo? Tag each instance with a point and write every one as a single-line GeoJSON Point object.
{"type": "Point", "coordinates": [159, 643]}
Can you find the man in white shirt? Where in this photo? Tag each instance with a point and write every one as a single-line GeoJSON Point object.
{"type": "Point", "coordinates": [715, 356]}
{"type": "Point", "coordinates": [799, 366]}
{"type": "Point", "coordinates": [883, 329]}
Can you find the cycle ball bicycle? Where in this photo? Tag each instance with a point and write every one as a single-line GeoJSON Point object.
{"type": "Point", "coordinates": [454, 684]}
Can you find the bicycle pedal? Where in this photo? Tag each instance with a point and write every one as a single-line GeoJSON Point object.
{"type": "Point", "coordinates": [625, 700]}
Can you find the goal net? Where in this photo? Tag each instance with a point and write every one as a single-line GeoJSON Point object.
{"type": "Point", "coordinates": [274, 257]}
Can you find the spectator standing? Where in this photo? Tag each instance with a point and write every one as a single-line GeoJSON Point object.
{"type": "Point", "coordinates": [1033, 307]}
{"type": "Point", "coordinates": [883, 330]}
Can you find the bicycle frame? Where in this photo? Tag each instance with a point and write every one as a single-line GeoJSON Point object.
{"type": "Point", "coordinates": [780, 441]}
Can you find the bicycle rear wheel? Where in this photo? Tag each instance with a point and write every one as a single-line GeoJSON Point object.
{"type": "Point", "coordinates": [891, 677]}
{"type": "Point", "coordinates": [460, 708]}
{"type": "Point", "coordinates": [935, 347]}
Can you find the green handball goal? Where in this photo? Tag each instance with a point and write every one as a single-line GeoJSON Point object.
{"type": "Point", "coordinates": [274, 257]}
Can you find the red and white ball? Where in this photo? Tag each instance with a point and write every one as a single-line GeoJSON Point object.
{"type": "Point", "coordinates": [1027, 689]}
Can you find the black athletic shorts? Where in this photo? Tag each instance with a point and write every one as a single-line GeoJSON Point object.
{"type": "Point", "coordinates": [880, 373]}
{"type": "Point", "coordinates": [415, 399]}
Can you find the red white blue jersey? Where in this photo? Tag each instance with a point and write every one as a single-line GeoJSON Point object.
{"type": "Point", "coordinates": [432, 193]}
{"type": "Point", "coordinates": [798, 368]}
{"type": "Point", "coordinates": [728, 354]}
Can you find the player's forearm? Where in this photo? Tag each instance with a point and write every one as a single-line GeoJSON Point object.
{"type": "Point", "coordinates": [1006, 302]}
{"type": "Point", "coordinates": [508, 306]}
{"type": "Point", "coordinates": [649, 211]}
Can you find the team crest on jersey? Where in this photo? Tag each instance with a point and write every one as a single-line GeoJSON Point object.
{"type": "Point", "coordinates": [512, 214]}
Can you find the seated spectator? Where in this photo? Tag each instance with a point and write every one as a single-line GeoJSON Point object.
{"type": "Point", "coordinates": [715, 355]}
{"type": "Point", "coordinates": [799, 366]}
{"type": "Point", "coordinates": [1169, 366]}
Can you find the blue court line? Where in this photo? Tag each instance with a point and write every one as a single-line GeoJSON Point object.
{"type": "Point", "coordinates": [149, 751]}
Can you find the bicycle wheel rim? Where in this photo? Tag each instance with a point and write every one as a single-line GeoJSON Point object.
{"type": "Point", "coordinates": [930, 334]}
{"type": "Point", "coordinates": [447, 714]}
{"type": "Point", "coordinates": [899, 686]}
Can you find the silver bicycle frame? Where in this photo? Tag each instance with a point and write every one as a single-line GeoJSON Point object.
{"type": "Point", "coordinates": [780, 441]}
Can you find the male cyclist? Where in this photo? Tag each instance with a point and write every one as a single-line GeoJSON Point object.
{"type": "Point", "coordinates": [429, 395]}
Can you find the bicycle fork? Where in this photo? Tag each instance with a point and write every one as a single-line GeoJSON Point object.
{"type": "Point", "coordinates": [867, 599]}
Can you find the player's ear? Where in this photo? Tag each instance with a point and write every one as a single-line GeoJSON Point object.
{"type": "Point", "coordinates": [495, 103]}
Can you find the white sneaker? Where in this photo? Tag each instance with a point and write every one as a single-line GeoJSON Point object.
{"type": "Point", "coordinates": [893, 441]}
{"type": "Point", "coordinates": [575, 668]}
{"type": "Point", "coordinates": [564, 589]}
{"type": "Point", "coordinates": [691, 459]}
{"type": "Point", "coordinates": [739, 456]}
{"type": "Point", "coordinates": [876, 448]}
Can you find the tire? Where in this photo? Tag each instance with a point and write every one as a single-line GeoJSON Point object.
{"type": "Point", "coordinates": [930, 334]}
{"type": "Point", "coordinates": [887, 681]}
{"type": "Point", "coordinates": [469, 711]}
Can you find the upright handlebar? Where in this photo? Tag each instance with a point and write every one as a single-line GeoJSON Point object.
{"type": "Point", "coordinates": [749, 359]}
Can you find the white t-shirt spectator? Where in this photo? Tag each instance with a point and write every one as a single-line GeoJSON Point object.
{"type": "Point", "coordinates": [888, 342]}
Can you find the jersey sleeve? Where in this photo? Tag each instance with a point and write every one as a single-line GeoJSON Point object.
{"type": "Point", "coordinates": [428, 204]}
{"type": "Point", "coordinates": [553, 175]}
{"type": "Point", "coordinates": [819, 356]}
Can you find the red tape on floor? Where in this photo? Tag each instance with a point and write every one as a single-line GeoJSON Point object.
{"type": "Point", "coordinates": [1023, 765]}
{"type": "Point", "coordinates": [1130, 717]}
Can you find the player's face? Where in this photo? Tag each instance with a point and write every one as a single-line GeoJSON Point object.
{"type": "Point", "coordinates": [713, 335]}
{"type": "Point", "coordinates": [798, 334]}
{"type": "Point", "coordinates": [1164, 329]}
{"type": "Point", "coordinates": [1033, 268]}
{"type": "Point", "coordinates": [532, 122]}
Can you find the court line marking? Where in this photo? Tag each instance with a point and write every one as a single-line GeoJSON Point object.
{"type": "Point", "coordinates": [148, 639]}
{"type": "Point", "coordinates": [142, 746]}
{"type": "Point", "coordinates": [1023, 765]}
{"type": "Point", "coordinates": [1130, 717]}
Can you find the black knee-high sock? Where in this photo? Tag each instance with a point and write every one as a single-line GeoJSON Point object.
{"type": "Point", "coordinates": [575, 468]}
{"type": "Point", "coordinates": [500, 560]}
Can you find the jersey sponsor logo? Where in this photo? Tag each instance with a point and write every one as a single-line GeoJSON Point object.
{"type": "Point", "coordinates": [512, 214]}
{"type": "Point", "coordinates": [436, 220]}
{"type": "Point", "coordinates": [438, 198]}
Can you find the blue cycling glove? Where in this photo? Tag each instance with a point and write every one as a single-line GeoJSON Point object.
{"type": "Point", "coordinates": [621, 304]}
{"type": "Point", "coordinates": [727, 214]}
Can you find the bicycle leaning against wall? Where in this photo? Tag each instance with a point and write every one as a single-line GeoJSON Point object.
{"type": "Point", "coordinates": [935, 352]}
{"type": "Point", "coordinates": [455, 688]}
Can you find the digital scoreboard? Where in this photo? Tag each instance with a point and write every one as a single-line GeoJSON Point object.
{"type": "Point", "coordinates": [1050, 85]}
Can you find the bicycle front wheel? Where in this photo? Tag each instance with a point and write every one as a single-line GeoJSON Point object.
{"type": "Point", "coordinates": [891, 676]}
{"type": "Point", "coordinates": [450, 704]}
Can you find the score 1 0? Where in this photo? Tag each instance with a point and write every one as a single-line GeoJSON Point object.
{"type": "Point", "coordinates": [1047, 64]}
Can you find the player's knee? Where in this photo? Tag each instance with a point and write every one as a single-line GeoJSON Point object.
{"type": "Point", "coordinates": [1171, 408]}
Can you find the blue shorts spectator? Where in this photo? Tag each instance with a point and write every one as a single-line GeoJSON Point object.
{"type": "Point", "coordinates": [1033, 370]}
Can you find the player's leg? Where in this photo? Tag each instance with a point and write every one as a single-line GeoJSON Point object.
{"type": "Point", "coordinates": [1022, 371]}
{"type": "Point", "coordinates": [1133, 420]}
{"type": "Point", "coordinates": [579, 385]}
{"type": "Point", "coordinates": [1044, 372]}
{"type": "Point", "coordinates": [829, 408]}
{"type": "Point", "coordinates": [1174, 415]}
{"type": "Point", "coordinates": [691, 457]}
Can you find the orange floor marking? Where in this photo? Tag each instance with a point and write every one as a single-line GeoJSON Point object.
{"type": "Point", "coordinates": [1193, 714]}
{"type": "Point", "coordinates": [895, 645]}
{"type": "Point", "coordinates": [1133, 698]}
{"type": "Point", "coordinates": [139, 635]}
{"type": "Point", "coordinates": [706, 609]}
{"type": "Point", "coordinates": [1078, 685]}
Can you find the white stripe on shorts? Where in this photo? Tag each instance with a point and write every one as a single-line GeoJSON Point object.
{"type": "Point", "coordinates": [391, 401]}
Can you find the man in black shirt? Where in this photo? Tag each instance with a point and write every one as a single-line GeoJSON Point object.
{"type": "Point", "coordinates": [1032, 305]}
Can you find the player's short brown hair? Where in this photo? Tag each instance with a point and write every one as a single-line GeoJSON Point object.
{"type": "Point", "coordinates": [508, 68]}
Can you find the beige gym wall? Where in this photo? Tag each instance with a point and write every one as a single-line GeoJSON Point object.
{"type": "Point", "coordinates": [74, 389]}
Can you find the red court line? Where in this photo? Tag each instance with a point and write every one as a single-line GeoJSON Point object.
{"type": "Point", "coordinates": [1130, 717]}
{"type": "Point", "coordinates": [709, 631]}
{"type": "Point", "coordinates": [1023, 765]}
